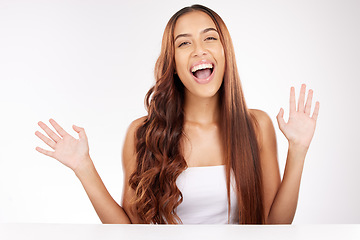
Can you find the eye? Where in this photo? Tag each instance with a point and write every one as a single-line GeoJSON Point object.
{"type": "Point", "coordinates": [210, 38]}
{"type": "Point", "coordinates": [183, 44]}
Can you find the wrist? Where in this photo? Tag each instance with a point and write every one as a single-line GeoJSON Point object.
{"type": "Point", "coordinates": [84, 168]}
{"type": "Point", "coordinates": [298, 148]}
{"type": "Point", "coordinates": [296, 154]}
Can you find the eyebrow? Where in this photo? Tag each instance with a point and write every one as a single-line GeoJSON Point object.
{"type": "Point", "coordinates": [189, 35]}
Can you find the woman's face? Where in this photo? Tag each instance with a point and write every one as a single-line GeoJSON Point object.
{"type": "Point", "coordinates": [199, 54]}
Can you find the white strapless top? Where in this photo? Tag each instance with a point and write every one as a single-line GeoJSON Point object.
{"type": "Point", "coordinates": [205, 196]}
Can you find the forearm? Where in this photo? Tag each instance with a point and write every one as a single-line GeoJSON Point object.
{"type": "Point", "coordinates": [105, 206]}
{"type": "Point", "coordinates": [284, 205]}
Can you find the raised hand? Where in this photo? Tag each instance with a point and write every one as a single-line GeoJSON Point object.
{"type": "Point", "coordinates": [68, 150]}
{"type": "Point", "coordinates": [300, 128]}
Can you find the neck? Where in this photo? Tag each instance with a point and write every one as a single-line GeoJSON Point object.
{"type": "Point", "coordinates": [201, 110]}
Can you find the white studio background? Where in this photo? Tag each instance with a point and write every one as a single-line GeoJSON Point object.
{"type": "Point", "coordinates": [91, 63]}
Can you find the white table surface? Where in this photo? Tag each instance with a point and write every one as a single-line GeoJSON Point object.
{"type": "Point", "coordinates": [185, 232]}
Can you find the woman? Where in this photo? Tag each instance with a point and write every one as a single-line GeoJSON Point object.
{"type": "Point", "coordinates": [200, 155]}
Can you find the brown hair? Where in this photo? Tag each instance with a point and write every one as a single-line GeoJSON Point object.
{"type": "Point", "coordinates": [159, 156]}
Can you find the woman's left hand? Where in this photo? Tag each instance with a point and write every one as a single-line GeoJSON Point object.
{"type": "Point", "coordinates": [300, 128]}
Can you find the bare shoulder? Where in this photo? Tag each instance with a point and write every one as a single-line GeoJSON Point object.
{"type": "Point", "coordinates": [135, 124]}
{"type": "Point", "coordinates": [268, 157]}
{"type": "Point", "coordinates": [129, 166]}
{"type": "Point", "coordinates": [129, 154]}
{"type": "Point", "coordinates": [261, 117]}
{"type": "Point", "coordinates": [264, 127]}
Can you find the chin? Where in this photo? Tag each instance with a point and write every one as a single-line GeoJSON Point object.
{"type": "Point", "coordinates": [205, 92]}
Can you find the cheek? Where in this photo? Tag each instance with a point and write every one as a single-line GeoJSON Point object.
{"type": "Point", "coordinates": [180, 63]}
{"type": "Point", "coordinates": [179, 69]}
{"type": "Point", "coordinates": [219, 53]}
{"type": "Point", "coordinates": [221, 57]}
{"type": "Point", "coordinates": [222, 52]}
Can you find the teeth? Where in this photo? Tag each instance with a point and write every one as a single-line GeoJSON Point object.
{"type": "Point", "coordinates": [201, 66]}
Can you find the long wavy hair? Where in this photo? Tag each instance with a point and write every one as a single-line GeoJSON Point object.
{"type": "Point", "coordinates": [160, 158]}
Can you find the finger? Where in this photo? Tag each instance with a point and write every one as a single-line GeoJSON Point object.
{"type": "Point", "coordinates": [80, 131]}
{"type": "Point", "coordinates": [308, 102]}
{"type": "Point", "coordinates": [45, 152]}
{"type": "Point", "coordinates": [45, 139]}
{"type": "Point", "coordinates": [49, 132]}
{"type": "Point", "coordinates": [302, 98]}
{"type": "Point", "coordinates": [57, 127]}
{"type": "Point", "coordinates": [292, 100]}
{"type": "Point", "coordinates": [280, 119]}
{"type": "Point", "coordinates": [316, 111]}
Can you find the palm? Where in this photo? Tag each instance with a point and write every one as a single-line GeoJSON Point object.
{"type": "Point", "coordinates": [301, 127]}
{"type": "Point", "coordinates": [67, 149]}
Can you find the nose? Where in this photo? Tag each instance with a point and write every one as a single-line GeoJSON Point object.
{"type": "Point", "coordinates": [199, 50]}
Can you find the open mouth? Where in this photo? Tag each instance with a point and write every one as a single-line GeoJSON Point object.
{"type": "Point", "coordinates": [202, 71]}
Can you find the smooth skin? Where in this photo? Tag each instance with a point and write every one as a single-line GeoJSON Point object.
{"type": "Point", "coordinates": [202, 142]}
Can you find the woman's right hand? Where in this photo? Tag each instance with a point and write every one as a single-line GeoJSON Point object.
{"type": "Point", "coordinates": [72, 152]}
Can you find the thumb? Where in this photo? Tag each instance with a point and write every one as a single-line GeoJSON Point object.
{"type": "Point", "coordinates": [280, 119]}
{"type": "Point", "coordinates": [80, 131]}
